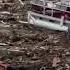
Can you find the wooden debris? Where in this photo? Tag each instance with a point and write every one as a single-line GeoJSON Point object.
{"type": "Point", "coordinates": [21, 2]}
{"type": "Point", "coordinates": [3, 44]}
{"type": "Point", "coordinates": [23, 22]}
{"type": "Point", "coordinates": [55, 61]}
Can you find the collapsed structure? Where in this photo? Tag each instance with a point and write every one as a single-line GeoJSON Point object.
{"type": "Point", "coordinates": [50, 14]}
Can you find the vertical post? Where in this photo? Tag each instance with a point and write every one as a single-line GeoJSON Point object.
{"type": "Point", "coordinates": [28, 16]}
{"type": "Point", "coordinates": [52, 10]}
{"type": "Point", "coordinates": [62, 20]}
{"type": "Point", "coordinates": [43, 7]}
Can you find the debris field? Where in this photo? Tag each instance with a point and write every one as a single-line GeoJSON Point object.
{"type": "Point", "coordinates": [27, 47]}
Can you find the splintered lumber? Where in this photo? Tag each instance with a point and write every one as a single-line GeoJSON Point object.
{"type": "Point", "coordinates": [16, 52]}
{"type": "Point", "coordinates": [29, 35]}
{"type": "Point", "coordinates": [21, 2]}
{"type": "Point", "coordinates": [23, 22]}
{"type": "Point", "coordinates": [3, 44]}
{"type": "Point", "coordinates": [7, 3]}
{"type": "Point", "coordinates": [5, 12]}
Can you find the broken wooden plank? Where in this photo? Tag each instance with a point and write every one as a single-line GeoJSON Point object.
{"type": "Point", "coordinates": [3, 44]}
{"type": "Point", "coordinates": [7, 3]}
{"type": "Point", "coordinates": [21, 2]}
{"type": "Point", "coordinates": [23, 22]}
